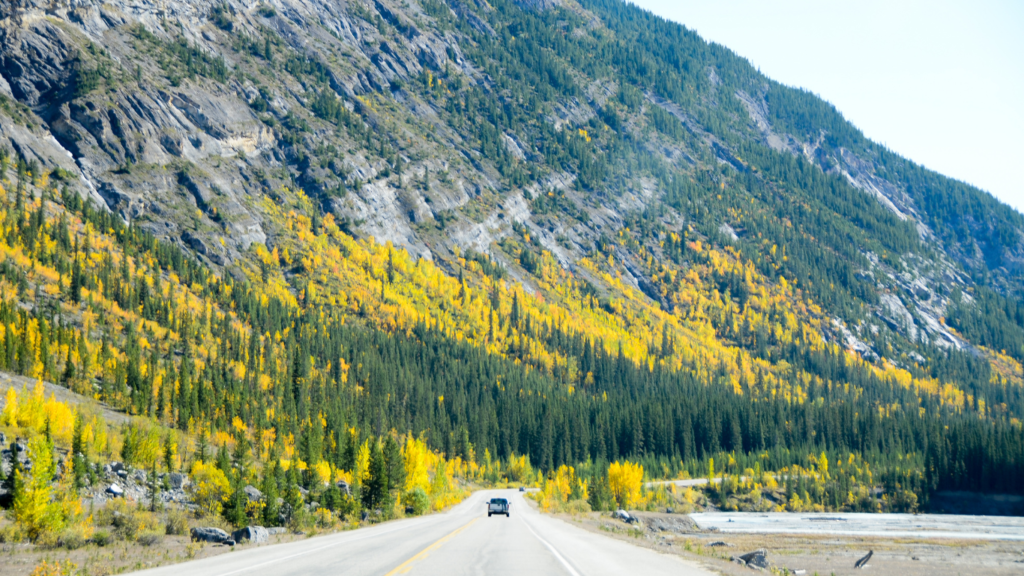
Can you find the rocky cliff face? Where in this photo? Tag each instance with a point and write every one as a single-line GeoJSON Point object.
{"type": "Point", "coordinates": [185, 117]}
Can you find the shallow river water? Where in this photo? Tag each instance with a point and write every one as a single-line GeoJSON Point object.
{"type": "Point", "coordinates": [855, 524]}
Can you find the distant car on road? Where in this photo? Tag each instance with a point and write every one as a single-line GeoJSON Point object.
{"type": "Point", "coordinates": [497, 506]}
{"type": "Point", "coordinates": [522, 488]}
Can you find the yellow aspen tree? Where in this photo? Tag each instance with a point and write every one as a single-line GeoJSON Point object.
{"type": "Point", "coordinates": [414, 453]}
{"type": "Point", "coordinates": [32, 507]}
{"type": "Point", "coordinates": [210, 487]}
{"type": "Point", "coordinates": [10, 413]}
{"type": "Point", "coordinates": [626, 481]}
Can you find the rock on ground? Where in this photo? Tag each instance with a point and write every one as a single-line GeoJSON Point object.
{"type": "Point", "coordinates": [756, 559]}
{"type": "Point", "coordinates": [209, 534]}
{"type": "Point", "coordinates": [252, 494]}
{"type": "Point", "coordinates": [254, 534]}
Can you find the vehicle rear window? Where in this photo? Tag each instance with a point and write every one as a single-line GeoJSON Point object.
{"type": "Point", "coordinates": [498, 501]}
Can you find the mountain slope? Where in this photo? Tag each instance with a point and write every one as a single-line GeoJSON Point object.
{"type": "Point", "coordinates": [585, 195]}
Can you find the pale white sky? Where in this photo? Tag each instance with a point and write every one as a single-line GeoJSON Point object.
{"type": "Point", "coordinates": [939, 82]}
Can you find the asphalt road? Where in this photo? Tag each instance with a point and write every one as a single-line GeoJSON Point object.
{"type": "Point", "coordinates": [461, 541]}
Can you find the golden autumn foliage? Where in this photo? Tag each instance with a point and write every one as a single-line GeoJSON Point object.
{"type": "Point", "coordinates": [33, 411]}
{"type": "Point", "coordinates": [626, 482]}
{"type": "Point", "coordinates": [414, 454]}
{"type": "Point", "coordinates": [55, 568]}
{"type": "Point", "coordinates": [708, 330]}
{"type": "Point", "coordinates": [210, 487]}
{"type": "Point", "coordinates": [33, 507]}
{"type": "Point", "coordinates": [561, 486]}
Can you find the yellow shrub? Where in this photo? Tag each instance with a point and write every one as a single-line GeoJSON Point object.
{"type": "Point", "coordinates": [55, 568]}
{"type": "Point", "coordinates": [210, 487]}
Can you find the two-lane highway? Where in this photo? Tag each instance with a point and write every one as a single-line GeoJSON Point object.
{"type": "Point", "coordinates": [461, 541]}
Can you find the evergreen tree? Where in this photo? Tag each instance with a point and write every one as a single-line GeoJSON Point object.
{"type": "Point", "coordinates": [375, 488]}
{"type": "Point", "coordinates": [271, 508]}
{"type": "Point", "coordinates": [395, 464]}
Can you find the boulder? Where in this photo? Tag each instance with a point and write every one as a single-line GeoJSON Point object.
{"type": "Point", "coordinates": [254, 534]}
{"type": "Point", "coordinates": [276, 530]}
{"type": "Point", "coordinates": [115, 490]}
{"type": "Point", "coordinates": [116, 467]}
{"type": "Point", "coordinates": [3, 438]}
{"type": "Point", "coordinates": [673, 523]}
{"type": "Point", "coordinates": [139, 475]}
{"type": "Point", "coordinates": [284, 512]}
{"type": "Point", "coordinates": [756, 559]}
{"type": "Point", "coordinates": [19, 447]}
{"type": "Point", "coordinates": [177, 480]}
{"type": "Point", "coordinates": [209, 534]}
{"type": "Point", "coordinates": [622, 515]}
{"type": "Point", "coordinates": [252, 494]}
{"type": "Point", "coordinates": [344, 487]}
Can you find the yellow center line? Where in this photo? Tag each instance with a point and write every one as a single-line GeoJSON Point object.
{"type": "Point", "coordinates": [407, 565]}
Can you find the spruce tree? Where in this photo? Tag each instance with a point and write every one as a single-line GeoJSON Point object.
{"type": "Point", "coordinates": [375, 488]}
{"type": "Point", "coordinates": [269, 489]}
{"type": "Point", "coordinates": [395, 463]}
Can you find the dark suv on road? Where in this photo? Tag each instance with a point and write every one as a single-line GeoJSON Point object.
{"type": "Point", "coordinates": [497, 506]}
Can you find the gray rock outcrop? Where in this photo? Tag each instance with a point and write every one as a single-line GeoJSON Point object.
{"type": "Point", "coordinates": [177, 480]}
{"type": "Point", "coordinates": [344, 487]}
{"type": "Point", "coordinates": [252, 494]}
{"type": "Point", "coordinates": [253, 534]}
{"type": "Point", "coordinates": [209, 534]}
{"type": "Point", "coordinates": [758, 559]}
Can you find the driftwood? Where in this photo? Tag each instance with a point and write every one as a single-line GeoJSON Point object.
{"type": "Point", "coordinates": [864, 561]}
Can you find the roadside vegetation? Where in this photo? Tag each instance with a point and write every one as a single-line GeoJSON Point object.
{"type": "Point", "coordinates": [820, 485]}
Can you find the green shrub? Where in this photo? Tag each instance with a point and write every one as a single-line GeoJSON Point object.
{"type": "Point", "coordinates": [103, 537]}
{"type": "Point", "coordinates": [150, 538]}
{"type": "Point", "coordinates": [417, 500]}
{"type": "Point", "coordinates": [576, 507]}
{"type": "Point", "coordinates": [72, 539]}
{"type": "Point", "coordinates": [128, 526]}
{"type": "Point", "coordinates": [12, 534]}
{"type": "Point", "coordinates": [177, 523]}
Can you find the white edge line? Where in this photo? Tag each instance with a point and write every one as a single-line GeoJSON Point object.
{"type": "Point", "coordinates": [558, 556]}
